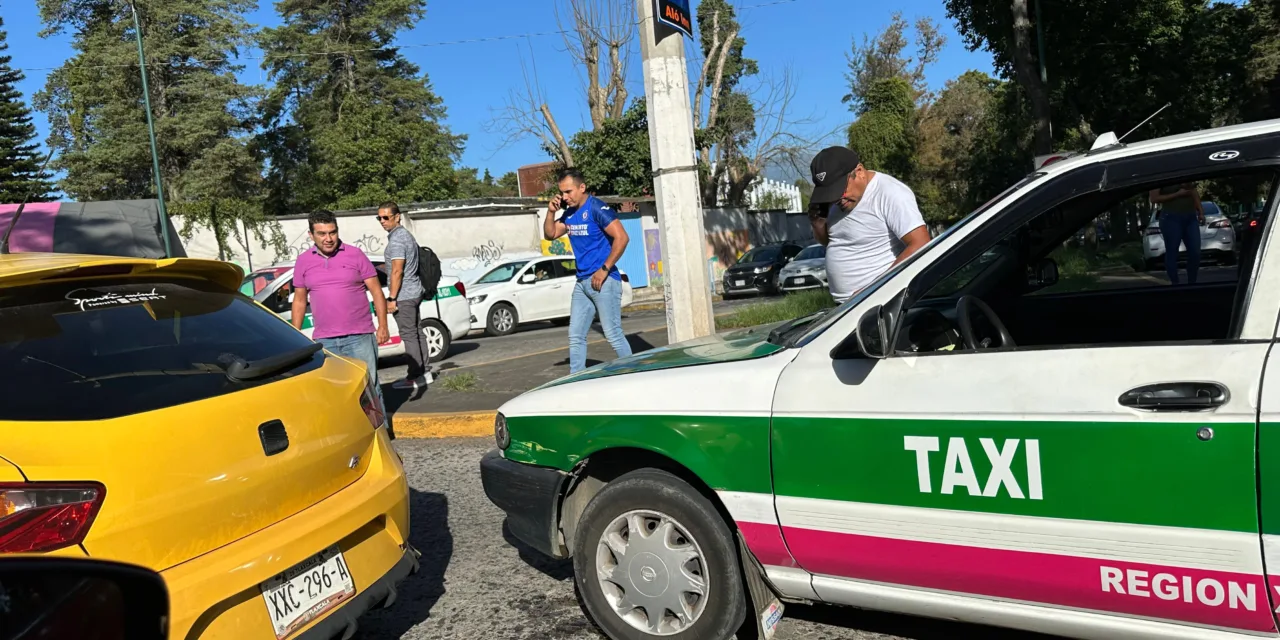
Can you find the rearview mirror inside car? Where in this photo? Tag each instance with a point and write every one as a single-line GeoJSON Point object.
{"type": "Point", "coordinates": [81, 599]}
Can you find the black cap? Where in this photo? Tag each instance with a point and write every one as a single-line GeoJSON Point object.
{"type": "Point", "coordinates": [828, 171]}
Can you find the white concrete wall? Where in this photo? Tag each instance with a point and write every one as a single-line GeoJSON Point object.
{"type": "Point", "coordinates": [468, 244]}
{"type": "Point", "coordinates": [471, 244]}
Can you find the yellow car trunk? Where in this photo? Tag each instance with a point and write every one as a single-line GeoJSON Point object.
{"type": "Point", "coordinates": [184, 480]}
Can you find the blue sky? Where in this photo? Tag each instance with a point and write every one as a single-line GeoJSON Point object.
{"type": "Point", "coordinates": [811, 36]}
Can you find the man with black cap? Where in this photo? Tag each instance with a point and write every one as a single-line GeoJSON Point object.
{"type": "Point", "coordinates": [868, 220]}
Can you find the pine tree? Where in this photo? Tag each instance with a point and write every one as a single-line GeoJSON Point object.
{"type": "Point", "coordinates": [351, 122]}
{"type": "Point", "coordinates": [203, 114]}
{"type": "Point", "coordinates": [20, 164]}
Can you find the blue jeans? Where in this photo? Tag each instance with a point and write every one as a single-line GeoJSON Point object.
{"type": "Point", "coordinates": [362, 347]}
{"type": "Point", "coordinates": [1178, 229]}
{"type": "Point", "coordinates": [586, 303]}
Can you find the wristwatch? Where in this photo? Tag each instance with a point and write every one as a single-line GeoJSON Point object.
{"type": "Point", "coordinates": [391, 299]}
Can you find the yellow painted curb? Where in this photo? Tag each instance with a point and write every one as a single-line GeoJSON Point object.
{"type": "Point", "coordinates": [444, 425]}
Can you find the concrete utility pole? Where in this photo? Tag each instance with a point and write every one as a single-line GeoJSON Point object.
{"type": "Point", "coordinates": [675, 181]}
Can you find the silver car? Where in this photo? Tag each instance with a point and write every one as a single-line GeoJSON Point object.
{"type": "Point", "coordinates": [807, 271]}
{"type": "Point", "coordinates": [1217, 239]}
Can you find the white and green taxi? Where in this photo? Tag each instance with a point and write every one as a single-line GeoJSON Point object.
{"type": "Point", "coordinates": [1008, 428]}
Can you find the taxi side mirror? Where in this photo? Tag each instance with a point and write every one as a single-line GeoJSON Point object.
{"type": "Point", "coordinates": [528, 278]}
{"type": "Point", "coordinates": [873, 334]}
{"type": "Point", "coordinates": [1044, 274]}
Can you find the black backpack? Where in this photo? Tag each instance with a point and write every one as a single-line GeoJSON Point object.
{"type": "Point", "coordinates": [428, 272]}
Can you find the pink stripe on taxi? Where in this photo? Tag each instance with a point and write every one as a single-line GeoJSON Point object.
{"type": "Point", "coordinates": [34, 233]}
{"type": "Point", "coordinates": [766, 544]}
{"type": "Point", "coordinates": [1218, 598]}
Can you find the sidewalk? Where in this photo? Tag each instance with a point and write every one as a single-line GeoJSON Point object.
{"type": "Point", "coordinates": [439, 412]}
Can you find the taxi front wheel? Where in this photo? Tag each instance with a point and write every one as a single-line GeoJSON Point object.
{"type": "Point", "coordinates": [653, 558]}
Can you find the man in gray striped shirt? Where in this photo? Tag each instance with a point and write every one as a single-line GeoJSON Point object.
{"type": "Point", "coordinates": [405, 295]}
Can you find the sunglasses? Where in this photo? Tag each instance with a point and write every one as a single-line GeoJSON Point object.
{"type": "Point", "coordinates": [384, 218]}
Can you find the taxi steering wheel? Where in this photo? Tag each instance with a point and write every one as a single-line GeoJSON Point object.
{"type": "Point", "coordinates": [964, 310]}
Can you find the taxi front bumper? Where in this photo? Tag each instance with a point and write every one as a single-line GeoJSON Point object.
{"type": "Point", "coordinates": [531, 498]}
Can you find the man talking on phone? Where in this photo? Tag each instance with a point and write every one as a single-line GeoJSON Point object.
{"type": "Point", "coordinates": [868, 220]}
{"type": "Point", "coordinates": [598, 240]}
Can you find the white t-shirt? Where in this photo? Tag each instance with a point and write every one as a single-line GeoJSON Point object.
{"type": "Point", "coordinates": [865, 242]}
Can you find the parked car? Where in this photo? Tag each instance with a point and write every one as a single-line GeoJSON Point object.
{"type": "Point", "coordinates": [1250, 228]}
{"type": "Point", "coordinates": [759, 270]}
{"type": "Point", "coordinates": [154, 416]}
{"type": "Point", "coordinates": [807, 271]}
{"type": "Point", "coordinates": [445, 318]}
{"type": "Point", "coordinates": [1217, 239]}
{"type": "Point", "coordinates": [521, 291]}
{"type": "Point", "coordinates": [1074, 460]}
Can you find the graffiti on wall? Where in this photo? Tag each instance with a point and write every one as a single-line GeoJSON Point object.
{"type": "Point", "coordinates": [558, 247]}
{"type": "Point", "coordinates": [725, 247]}
{"type": "Point", "coordinates": [653, 256]}
{"type": "Point", "coordinates": [368, 243]}
{"type": "Point", "coordinates": [488, 253]}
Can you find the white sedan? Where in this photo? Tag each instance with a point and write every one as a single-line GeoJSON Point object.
{"type": "Point", "coordinates": [527, 291]}
{"type": "Point", "coordinates": [808, 270]}
{"type": "Point", "coordinates": [1217, 239]}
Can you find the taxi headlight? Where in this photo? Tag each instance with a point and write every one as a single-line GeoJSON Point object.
{"type": "Point", "coordinates": [500, 433]}
{"type": "Point", "coordinates": [477, 299]}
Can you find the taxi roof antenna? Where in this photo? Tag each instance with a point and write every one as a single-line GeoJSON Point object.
{"type": "Point", "coordinates": [1149, 118]}
{"type": "Point", "coordinates": [13, 224]}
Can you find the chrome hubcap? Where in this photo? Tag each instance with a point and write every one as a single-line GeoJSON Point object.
{"type": "Point", "coordinates": [652, 572]}
{"type": "Point", "coordinates": [502, 320]}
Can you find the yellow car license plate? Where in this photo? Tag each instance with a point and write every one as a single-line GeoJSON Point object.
{"type": "Point", "coordinates": [306, 591]}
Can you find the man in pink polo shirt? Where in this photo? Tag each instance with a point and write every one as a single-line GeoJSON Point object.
{"type": "Point", "coordinates": [333, 276]}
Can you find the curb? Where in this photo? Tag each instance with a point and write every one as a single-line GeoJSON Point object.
{"type": "Point", "coordinates": [472, 424]}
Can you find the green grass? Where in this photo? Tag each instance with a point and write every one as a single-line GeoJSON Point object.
{"type": "Point", "coordinates": [460, 382]}
{"type": "Point", "coordinates": [789, 307]}
{"type": "Point", "coordinates": [1080, 269]}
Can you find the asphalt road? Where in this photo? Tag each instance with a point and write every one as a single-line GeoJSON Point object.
{"type": "Point", "coordinates": [477, 584]}
{"type": "Point", "coordinates": [479, 349]}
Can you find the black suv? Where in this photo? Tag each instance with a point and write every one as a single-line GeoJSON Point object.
{"type": "Point", "coordinates": [757, 270]}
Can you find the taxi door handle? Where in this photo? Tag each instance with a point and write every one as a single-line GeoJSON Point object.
{"type": "Point", "coordinates": [1176, 396]}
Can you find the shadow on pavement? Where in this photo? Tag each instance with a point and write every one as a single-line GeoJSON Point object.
{"type": "Point", "coordinates": [457, 348]}
{"type": "Point", "coordinates": [904, 626]}
{"type": "Point", "coordinates": [418, 594]}
{"type": "Point", "coordinates": [555, 569]}
{"type": "Point", "coordinates": [396, 398]}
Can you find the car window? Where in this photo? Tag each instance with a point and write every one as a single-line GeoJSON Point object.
{"type": "Point", "coordinates": [384, 276]}
{"type": "Point", "coordinates": [279, 301]}
{"type": "Point", "coordinates": [1113, 283]}
{"type": "Point", "coordinates": [117, 348]}
{"type": "Point", "coordinates": [803, 334]}
{"type": "Point", "coordinates": [760, 254]}
{"type": "Point", "coordinates": [502, 272]}
{"type": "Point", "coordinates": [792, 250]}
{"type": "Point", "coordinates": [566, 268]}
{"type": "Point", "coordinates": [256, 281]}
{"type": "Point", "coordinates": [543, 271]}
{"type": "Point", "coordinates": [812, 253]}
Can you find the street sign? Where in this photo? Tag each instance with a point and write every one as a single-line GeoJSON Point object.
{"type": "Point", "coordinates": [676, 14]}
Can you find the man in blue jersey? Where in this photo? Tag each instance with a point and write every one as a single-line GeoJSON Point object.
{"type": "Point", "coordinates": [598, 240]}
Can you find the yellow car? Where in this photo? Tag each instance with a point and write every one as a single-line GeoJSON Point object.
{"type": "Point", "coordinates": [151, 414]}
